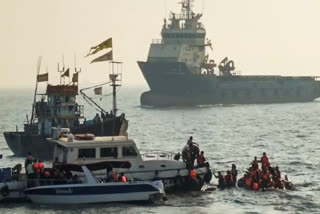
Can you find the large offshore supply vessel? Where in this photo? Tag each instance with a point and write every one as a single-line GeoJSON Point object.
{"type": "Point", "coordinates": [179, 72]}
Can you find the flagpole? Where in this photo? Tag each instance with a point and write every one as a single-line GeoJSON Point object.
{"type": "Point", "coordinates": [35, 91]}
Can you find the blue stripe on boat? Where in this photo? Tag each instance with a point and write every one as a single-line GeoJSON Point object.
{"type": "Point", "coordinates": [91, 190]}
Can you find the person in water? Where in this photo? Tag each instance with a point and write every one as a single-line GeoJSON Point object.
{"type": "Point", "coordinates": [234, 173]}
{"type": "Point", "coordinates": [254, 163]}
{"type": "Point", "coordinates": [221, 180]}
{"type": "Point", "coordinates": [264, 161]}
{"type": "Point", "coordinates": [229, 179]}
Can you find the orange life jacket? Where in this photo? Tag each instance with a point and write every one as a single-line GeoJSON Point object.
{"type": "Point", "coordinates": [36, 168]}
{"type": "Point", "coordinates": [264, 160]}
{"type": "Point", "coordinates": [123, 178]}
{"type": "Point", "coordinates": [248, 183]}
{"type": "Point", "coordinates": [41, 166]}
{"type": "Point", "coordinates": [255, 186]}
{"type": "Point", "coordinates": [193, 174]}
{"type": "Point", "coordinates": [47, 174]}
{"type": "Point", "coordinates": [200, 159]}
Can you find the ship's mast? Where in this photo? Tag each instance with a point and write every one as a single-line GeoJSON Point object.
{"type": "Point", "coordinates": [186, 9]}
{"type": "Point", "coordinates": [115, 78]}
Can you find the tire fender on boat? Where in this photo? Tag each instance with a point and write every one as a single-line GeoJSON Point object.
{"type": "Point", "coordinates": [178, 180]}
{"type": "Point", "coordinates": [4, 191]}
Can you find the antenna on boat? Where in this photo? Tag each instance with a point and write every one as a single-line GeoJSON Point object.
{"type": "Point", "coordinates": [35, 91]}
{"type": "Point", "coordinates": [76, 71]}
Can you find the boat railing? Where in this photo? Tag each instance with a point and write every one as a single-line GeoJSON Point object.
{"type": "Point", "coordinates": [157, 41]}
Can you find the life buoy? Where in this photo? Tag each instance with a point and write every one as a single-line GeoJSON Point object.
{"type": "Point", "coordinates": [4, 191]}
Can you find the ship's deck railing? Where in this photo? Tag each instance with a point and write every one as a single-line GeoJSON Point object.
{"type": "Point", "coordinates": [157, 155]}
{"type": "Point", "coordinates": [157, 41]}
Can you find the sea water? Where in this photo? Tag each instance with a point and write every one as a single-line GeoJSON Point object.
{"type": "Point", "coordinates": [288, 133]}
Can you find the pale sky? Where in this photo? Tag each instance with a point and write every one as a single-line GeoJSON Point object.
{"type": "Point", "coordinates": [263, 37]}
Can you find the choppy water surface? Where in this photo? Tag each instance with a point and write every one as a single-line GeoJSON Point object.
{"type": "Point", "coordinates": [289, 133]}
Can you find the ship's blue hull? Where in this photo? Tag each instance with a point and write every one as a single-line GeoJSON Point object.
{"type": "Point", "coordinates": [173, 84]}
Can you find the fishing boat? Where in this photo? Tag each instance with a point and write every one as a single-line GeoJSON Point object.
{"type": "Point", "coordinates": [58, 107]}
{"type": "Point", "coordinates": [146, 166]}
{"type": "Point", "coordinates": [93, 191]}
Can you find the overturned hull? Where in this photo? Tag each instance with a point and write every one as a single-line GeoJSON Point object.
{"type": "Point", "coordinates": [173, 84]}
{"type": "Point", "coordinates": [20, 143]}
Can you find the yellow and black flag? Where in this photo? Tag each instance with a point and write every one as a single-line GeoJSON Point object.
{"type": "Point", "coordinates": [106, 57]}
{"type": "Point", "coordinates": [104, 45]}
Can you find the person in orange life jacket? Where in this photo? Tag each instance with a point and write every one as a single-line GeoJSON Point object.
{"type": "Point", "coordinates": [277, 180]}
{"type": "Point", "coordinates": [201, 159]}
{"type": "Point", "coordinates": [36, 167]}
{"type": "Point", "coordinates": [234, 173]}
{"type": "Point", "coordinates": [255, 179]}
{"type": "Point", "coordinates": [248, 182]}
{"type": "Point", "coordinates": [254, 163]}
{"type": "Point", "coordinates": [112, 176]}
{"type": "Point", "coordinates": [264, 160]}
{"type": "Point", "coordinates": [123, 178]}
{"type": "Point", "coordinates": [229, 179]}
{"type": "Point", "coordinates": [221, 180]}
{"type": "Point", "coordinates": [41, 166]}
{"type": "Point", "coordinates": [265, 178]}
{"type": "Point", "coordinates": [192, 174]}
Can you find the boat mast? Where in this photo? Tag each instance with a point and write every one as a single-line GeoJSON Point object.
{"type": "Point", "coordinates": [115, 78]}
{"type": "Point", "coordinates": [186, 8]}
{"type": "Point", "coordinates": [35, 91]}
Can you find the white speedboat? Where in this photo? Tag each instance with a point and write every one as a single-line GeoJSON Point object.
{"type": "Point", "coordinates": [93, 191]}
{"type": "Point", "coordinates": [146, 167]}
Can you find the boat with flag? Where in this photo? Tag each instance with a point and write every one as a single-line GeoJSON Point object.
{"type": "Point", "coordinates": [58, 107]}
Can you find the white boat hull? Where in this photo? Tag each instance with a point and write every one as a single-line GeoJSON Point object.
{"type": "Point", "coordinates": [96, 193]}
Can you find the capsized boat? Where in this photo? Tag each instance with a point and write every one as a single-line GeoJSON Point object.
{"type": "Point", "coordinates": [144, 166]}
{"type": "Point", "coordinates": [93, 191]}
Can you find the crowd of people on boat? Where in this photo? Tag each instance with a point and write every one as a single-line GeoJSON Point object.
{"type": "Point", "coordinates": [255, 178]}
{"type": "Point", "coordinates": [191, 153]}
{"type": "Point", "coordinates": [265, 177]}
{"type": "Point", "coordinates": [37, 174]}
{"type": "Point", "coordinates": [99, 118]}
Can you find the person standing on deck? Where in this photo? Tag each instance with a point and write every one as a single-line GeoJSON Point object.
{"type": "Point", "coordinates": [189, 142]}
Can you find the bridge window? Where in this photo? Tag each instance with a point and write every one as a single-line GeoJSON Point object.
{"type": "Point", "coordinates": [87, 153]}
{"type": "Point", "coordinates": [129, 151]}
{"type": "Point", "coordinates": [109, 152]}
